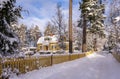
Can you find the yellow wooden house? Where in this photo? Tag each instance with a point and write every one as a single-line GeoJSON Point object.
{"type": "Point", "coordinates": [49, 44]}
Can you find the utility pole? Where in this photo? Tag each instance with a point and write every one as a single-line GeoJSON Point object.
{"type": "Point", "coordinates": [84, 34]}
{"type": "Point", "coordinates": [70, 27]}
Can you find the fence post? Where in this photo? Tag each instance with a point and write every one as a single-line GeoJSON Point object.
{"type": "Point", "coordinates": [51, 59]}
{"type": "Point", "coordinates": [69, 57]}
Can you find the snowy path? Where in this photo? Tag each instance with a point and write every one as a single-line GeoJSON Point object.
{"type": "Point", "coordinates": [95, 66]}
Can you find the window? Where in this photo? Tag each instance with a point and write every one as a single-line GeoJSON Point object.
{"type": "Point", "coordinates": [52, 47]}
{"type": "Point", "coordinates": [40, 47]}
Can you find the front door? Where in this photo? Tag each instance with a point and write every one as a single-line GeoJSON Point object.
{"type": "Point", "coordinates": [46, 48]}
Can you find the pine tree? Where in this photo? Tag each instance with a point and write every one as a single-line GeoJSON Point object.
{"type": "Point", "coordinates": [92, 18]}
{"type": "Point", "coordinates": [96, 17]}
{"type": "Point", "coordinates": [8, 39]}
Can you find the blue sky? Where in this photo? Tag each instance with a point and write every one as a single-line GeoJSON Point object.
{"type": "Point", "coordinates": [42, 11]}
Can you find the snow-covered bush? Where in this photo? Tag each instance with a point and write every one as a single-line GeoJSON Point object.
{"type": "Point", "coordinates": [29, 53]}
{"type": "Point", "coordinates": [5, 74]}
{"type": "Point", "coordinates": [16, 71]}
{"type": "Point", "coordinates": [26, 68]}
{"type": "Point", "coordinates": [21, 55]}
{"type": "Point", "coordinates": [36, 54]}
{"type": "Point", "coordinates": [8, 72]}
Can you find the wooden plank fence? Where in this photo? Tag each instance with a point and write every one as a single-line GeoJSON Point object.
{"type": "Point", "coordinates": [117, 56]}
{"type": "Point", "coordinates": [31, 63]}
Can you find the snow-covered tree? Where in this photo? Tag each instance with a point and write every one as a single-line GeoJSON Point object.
{"type": "Point", "coordinates": [92, 18]}
{"type": "Point", "coordinates": [27, 36]}
{"type": "Point", "coordinates": [77, 36]}
{"type": "Point", "coordinates": [59, 22]}
{"type": "Point", "coordinates": [113, 23]}
{"type": "Point", "coordinates": [50, 30]}
{"type": "Point", "coordinates": [21, 32]}
{"type": "Point", "coordinates": [9, 13]}
{"type": "Point", "coordinates": [96, 17]}
{"type": "Point", "coordinates": [32, 35]}
{"type": "Point", "coordinates": [35, 34]}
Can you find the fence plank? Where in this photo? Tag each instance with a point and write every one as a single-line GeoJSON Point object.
{"type": "Point", "coordinates": [74, 56]}
{"type": "Point", "coordinates": [60, 58]}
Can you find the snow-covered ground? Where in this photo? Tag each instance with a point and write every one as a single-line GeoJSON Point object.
{"type": "Point", "coordinates": [96, 66]}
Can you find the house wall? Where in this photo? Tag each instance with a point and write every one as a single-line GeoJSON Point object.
{"type": "Point", "coordinates": [53, 47]}
{"type": "Point", "coordinates": [39, 47]}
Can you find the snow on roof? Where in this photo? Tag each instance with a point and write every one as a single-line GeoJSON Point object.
{"type": "Point", "coordinates": [46, 43]}
{"type": "Point", "coordinates": [42, 40]}
{"type": "Point", "coordinates": [54, 38]}
{"type": "Point", "coordinates": [29, 52]}
{"type": "Point", "coordinates": [32, 47]}
{"type": "Point", "coordinates": [28, 48]}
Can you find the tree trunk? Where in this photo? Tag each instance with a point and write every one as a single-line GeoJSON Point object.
{"type": "Point", "coordinates": [95, 44]}
{"type": "Point", "coordinates": [84, 34]}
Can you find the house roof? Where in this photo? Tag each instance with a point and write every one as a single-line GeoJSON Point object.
{"type": "Point", "coordinates": [47, 39]}
{"type": "Point", "coordinates": [40, 40]}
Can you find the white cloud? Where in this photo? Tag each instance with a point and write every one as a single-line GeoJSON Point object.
{"type": "Point", "coordinates": [35, 21]}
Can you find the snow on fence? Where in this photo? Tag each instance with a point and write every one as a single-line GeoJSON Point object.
{"type": "Point", "coordinates": [31, 63]}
